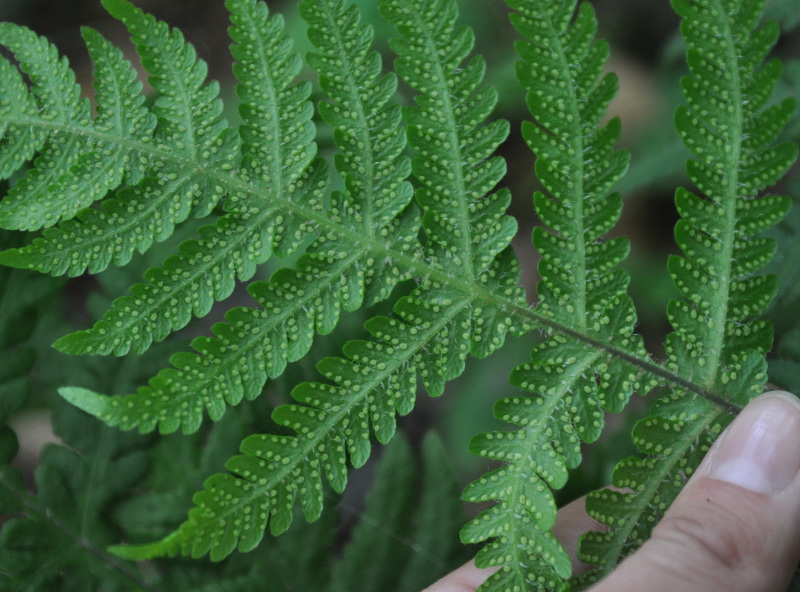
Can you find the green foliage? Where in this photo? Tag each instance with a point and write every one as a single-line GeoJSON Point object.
{"type": "Point", "coordinates": [404, 229]}
{"type": "Point", "coordinates": [403, 500]}
{"type": "Point", "coordinates": [64, 520]}
{"type": "Point", "coordinates": [717, 342]}
{"type": "Point", "coordinates": [24, 298]}
{"type": "Point", "coordinates": [580, 286]}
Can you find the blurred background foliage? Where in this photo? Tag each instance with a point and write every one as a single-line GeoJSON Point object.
{"type": "Point", "coordinates": [647, 55]}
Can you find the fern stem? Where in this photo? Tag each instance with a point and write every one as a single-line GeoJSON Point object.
{"type": "Point", "coordinates": [423, 269]}
{"type": "Point", "coordinates": [69, 129]}
{"type": "Point", "coordinates": [643, 364]}
{"type": "Point", "coordinates": [727, 201]}
{"type": "Point", "coordinates": [420, 267]}
{"type": "Point", "coordinates": [320, 219]}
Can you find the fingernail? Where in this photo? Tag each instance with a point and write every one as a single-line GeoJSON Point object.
{"type": "Point", "coordinates": [760, 450]}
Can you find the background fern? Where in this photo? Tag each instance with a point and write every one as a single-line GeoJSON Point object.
{"type": "Point", "coordinates": [387, 210]}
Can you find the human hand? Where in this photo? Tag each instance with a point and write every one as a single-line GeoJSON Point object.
{"type": "Point", "coordinates": [735, 527]}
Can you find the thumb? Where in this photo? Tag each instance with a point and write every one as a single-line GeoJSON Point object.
{"type": "Point", "coordinates": [736, 525]}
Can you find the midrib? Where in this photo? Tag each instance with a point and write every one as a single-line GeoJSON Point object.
{"type": "Point", "coordinates": [719, 314]}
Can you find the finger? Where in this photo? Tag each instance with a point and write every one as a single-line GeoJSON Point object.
{"type": "Point", "coordinates": [466, 578]}
{"type": "Point", "coordinates": [571, 522]}
{"type": "Point", "coordinates": [734, 527]}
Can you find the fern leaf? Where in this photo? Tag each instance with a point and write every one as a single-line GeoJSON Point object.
{"type": "Point", "coordinates": [581, 287]}
{"type": "Point", "coordinates": [335, 274]}
{"type": "Point", "coordinates": [447, 130]}
{"type": "Point", "coordinates": [18, 142]}
{"type": "Point", "coordinates": [277, 155]}
{"type": "Point", "coordinates": [57, 94]}
{"type": "Point", "coordinates": [718, 342]}
{"type": "Point", "coordinates": [191, 141]}
{"type": "Point", "coordinates": [375, 382]}
{"type": "Point", "coordinates": [430, 335]}
{"type": "Point", "coordinates": [370, 136]}
{"type": "Point", "coordinates": [88, 168]}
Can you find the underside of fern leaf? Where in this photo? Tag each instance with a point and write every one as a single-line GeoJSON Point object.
{"type": "Point", "coordinates": [276, 169]}
{"type": "Point", "coordinates": [570, 383]}
{"type": "Point", "coordinates": [417, 200]}
{"type": "Point", "coordinates": [433, 329]}
{"type": "Point", "coordinates": [82, 159]}
{"type": "Point", "coordinates": [340, 270]}
{"type": "Point", "coordinates": [718, 341]}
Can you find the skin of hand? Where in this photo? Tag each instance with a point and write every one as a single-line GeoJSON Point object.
{"type": "Point", "coordinates": [735, 527]}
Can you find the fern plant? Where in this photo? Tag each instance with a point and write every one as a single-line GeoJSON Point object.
{"type": "Point", "coordinates": [414, 206]}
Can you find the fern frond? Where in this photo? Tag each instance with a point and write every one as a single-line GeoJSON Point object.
{"type": "Point", "coordinates": [431, 334]}
{"type": "Point", "coordinates": [447, 130]}
{"type": "Point", "coordinates": [376, 381]}
{"type": "Point", "coordinates": [277, 155]}
{"type": "Point", "coordinates": [19, 143]}
{"type": "Point", "coordinates": [335, 273]}
{"type": "Point", "coordinates": [32, 120]}
{"type": "Point", "coordinates": [581, 287]}
{"type": "Point", "coordinates": [189, 128]}
{"type": "Point", "coordinates": [367, 128]}
{"type": "Point", "coordinates": [718, 342]}
{"type": "Point", "coordinates": [90, 167]}
{"type": "Point", "coordinates": [277, 150]}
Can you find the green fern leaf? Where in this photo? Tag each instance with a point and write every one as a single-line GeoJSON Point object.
{"type": "Point", "coordinates": [18, 142]}
{"type": "Point", "coordinates": [375, 382]}
{"type": "Point", "coordinates": [334, 274]}
{"type": "Point", "coordinates": [581, 287]}
{"type": "Point", "coordinates": [257, 343]}
{"type": "Point", "coordinates": [447, 131]}
{"type": "Point", "coordinates": [190, 141]}
{"type": "Point", "coordinates": [718, 341]}
{"type": "Point", "coordinates": [276, 161]}
{"type": "Point", "coordinates": [85, 169]}
{"type": "Point", "coordinates": [430, 336]}
{"type": "Point", "coordinates": [254, 345]}
{"type": "Point", "coordinates": [58, 96]}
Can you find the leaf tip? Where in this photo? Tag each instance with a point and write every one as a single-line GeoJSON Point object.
{"type": "Point", "coordinates": [84, 399]}
{"type": "Point", "coordinates": [137, 552]}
